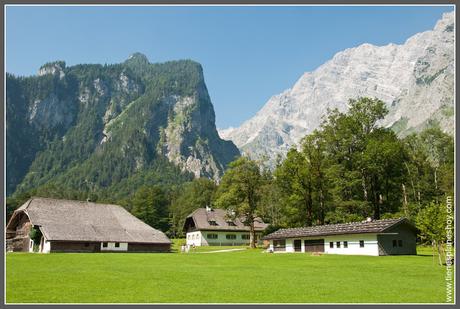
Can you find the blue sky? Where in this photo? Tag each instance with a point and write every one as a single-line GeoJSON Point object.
{"type": "Point", "coordinates": [248, 53]}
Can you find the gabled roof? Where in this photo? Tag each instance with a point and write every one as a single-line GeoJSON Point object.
{"type": "Point", "coordinates": [85, 221]}
{"type": "Point", "coordinates": [201, 218]}
{"type": "Point", "coordinates": [376, 226]}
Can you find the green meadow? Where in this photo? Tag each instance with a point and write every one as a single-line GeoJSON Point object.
{"type": "Point", "coordinates": [248, 276]}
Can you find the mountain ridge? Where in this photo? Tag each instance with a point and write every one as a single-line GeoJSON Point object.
{"type": "Point", "coordinates": [405, 76]}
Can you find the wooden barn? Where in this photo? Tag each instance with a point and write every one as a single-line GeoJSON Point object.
{"type": "Point", "coordinates": [77, 226]}
{"type": "Point", "coordinates": [370, 237]}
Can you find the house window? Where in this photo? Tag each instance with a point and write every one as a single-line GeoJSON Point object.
{"type": "Point", "coordinates": [338, 244]}
{"type": "Point", "coordinates": [188, 236]}
{"type": "Point", "coordinates": [231, 223]}
{"type": "Point", "coordinates": [400, 243]}
{"type": "Point", "coordinates": [117, 245]}
{"type": "Point", "coordinates": [212, 236]}
{"type": "Point", "coordinates": [230, 236]}
{"type": "Point", "coordinates": [105, 245]}
{"type": "Point", "coordinates": [394, 243]}
{"type": "Point", "coordinates": [331, 244]}
{"type": "Point", "coordinates": [361, 243]}
{"type": "Point", "coordinates": [279, 245]}
{"type": "Point", "coordinates": [245, 236]}
{"type": "Point", "coordinates": [345, 244]}
{"type": "Point", "coordinates": [213, 223]}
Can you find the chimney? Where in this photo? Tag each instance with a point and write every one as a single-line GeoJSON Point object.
{"type": "Point", "coordinates": [369, 219]}
{"type": "Point", "coordinates": [208, 208]}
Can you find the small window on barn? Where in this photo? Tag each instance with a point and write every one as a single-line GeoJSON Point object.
{"type": "Point", "coordinates": [361, 243]}
{"type": "Point", "coordinates": [105, 245]}
{"type": "Point", "coordinates": [345, 244]}
{"type": "Point", "coordinates": [394, 243]}
{"type": "Point", "coordinates": [338, 244]}
{"type": "Point", "coordinates": [213, 223]}
{"type": "Point", "coordinates": [117, 245]}
{"type": "Point", "coordinates": [230, 236]}
{"type": "Point", "coordinates": [245, 236]}
{"type": "Point", "coordinates": [400, 243]}
{"type": "Point", "coordinates": [212, 236]}
{"type": "Point", "coordinates": [231, 223]}
{"type": "Point", "coordinates": [331, 244]}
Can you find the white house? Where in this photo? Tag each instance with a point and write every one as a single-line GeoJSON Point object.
{"type": "Point", "coordinates": [214, 227]}
{"type": "Point", "coordinates": [379, 237]}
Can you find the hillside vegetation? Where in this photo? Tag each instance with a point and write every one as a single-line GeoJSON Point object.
{"type": "Point", "coordinates": [87, 128]}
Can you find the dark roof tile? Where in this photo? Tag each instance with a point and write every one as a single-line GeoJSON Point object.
{"type": "Point", "coordinates": [376, 226]}
{"type": "Point", "coordinates": [201, 217]}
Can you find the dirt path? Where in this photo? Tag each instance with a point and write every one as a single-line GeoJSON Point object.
{"type": "Point", "coordinates": [225, 250]}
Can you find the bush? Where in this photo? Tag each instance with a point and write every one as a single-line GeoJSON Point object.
{"type": "Point", "coordinates": [35, 234]}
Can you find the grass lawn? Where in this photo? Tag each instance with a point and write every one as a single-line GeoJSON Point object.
{"type": "Point", "coordinates": [248, 276]}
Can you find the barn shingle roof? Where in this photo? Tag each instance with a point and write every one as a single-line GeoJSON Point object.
{"type": "Point", "coordinates": [85, 221]}
{"type": "Point", "coordinates": [201, 217]}
{"type": "Point", "coordinates": [376, 226]}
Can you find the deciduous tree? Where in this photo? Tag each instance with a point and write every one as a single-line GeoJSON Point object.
{"type": "Point", "coordinates": [240, 191]}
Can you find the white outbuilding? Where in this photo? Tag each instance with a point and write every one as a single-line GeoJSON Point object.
{"type": "Point", "coordinates": [370, 237]}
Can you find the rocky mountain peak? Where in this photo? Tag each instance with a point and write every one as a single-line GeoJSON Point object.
{"type": "Point", "coordinates": [137, 58]}
{"type": "Point", "coordinates": [446, 23]}
{"type": "Point", "coordinates": [414, 79]}
{"type": "Point", "coordinates": [56, 67]}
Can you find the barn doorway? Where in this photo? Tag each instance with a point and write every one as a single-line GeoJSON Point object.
{"type": "Point", "coordinates": [297, 245]}
{"type": "Point", "coordinates": [314, 245]}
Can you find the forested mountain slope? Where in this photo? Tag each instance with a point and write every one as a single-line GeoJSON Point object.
{"type": "Point", "coordinates": [112, 127]}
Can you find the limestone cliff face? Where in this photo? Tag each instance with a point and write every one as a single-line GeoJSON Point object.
{"type": "Point", "coordinates": [415, 80]}
{"type": "Point", "coordinates": [190, 138]}
{"type": "Point", "coordinates": [51, 112]}
{"type": "Point", "coordinates": [107, 123]}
